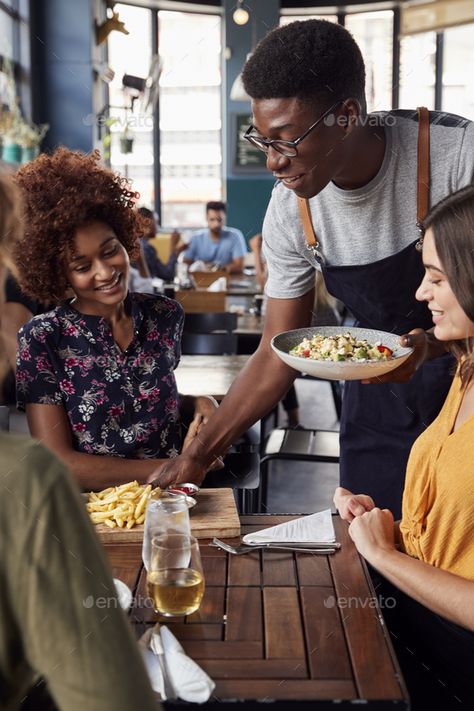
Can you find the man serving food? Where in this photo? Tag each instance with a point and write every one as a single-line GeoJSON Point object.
{"type": "Point", "coordinates": [365, 180]}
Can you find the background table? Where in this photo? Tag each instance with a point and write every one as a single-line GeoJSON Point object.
{"type": "Point", "coordinates": [208, 375]}
{"type": "Point", "coordinates": [282, 626]}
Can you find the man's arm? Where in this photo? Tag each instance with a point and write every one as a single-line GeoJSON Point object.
{"type": "Point", "coordinates": [236, 266]}
{"type": "Point", "coordinates": [260, 385]}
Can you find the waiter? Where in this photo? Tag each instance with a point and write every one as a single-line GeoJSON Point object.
{"type": "Point", "coordinates": [351, 188]}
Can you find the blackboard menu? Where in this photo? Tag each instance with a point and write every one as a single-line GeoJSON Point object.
{"type": "Point", "coordinates": [246, 157]}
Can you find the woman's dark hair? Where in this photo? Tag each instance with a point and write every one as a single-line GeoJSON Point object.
{"type": "Point", "coordinates": [313, 60]}
{"type": "Point", "coordinates": [62, 192]}
{"type": "Point", "coordinates": [452, 223]}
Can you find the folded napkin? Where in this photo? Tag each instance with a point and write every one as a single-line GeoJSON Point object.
{"type": "Point", "coordinates": [198, 266]}
{"type": "Point", "coordinates": [220, 284]}
{"type": "Point", "coordinates": [172, 673]}
{"type": "Point", "coordinates": [316, 528]}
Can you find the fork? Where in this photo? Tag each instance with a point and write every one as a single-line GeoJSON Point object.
{"type": "Point", "coordinates": [244, 548]}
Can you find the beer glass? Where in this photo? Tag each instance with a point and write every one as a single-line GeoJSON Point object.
{"type": "Point", "coordinates": [175, 580]}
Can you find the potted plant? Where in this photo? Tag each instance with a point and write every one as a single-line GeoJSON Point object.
{"type": "Point", "coordinates": [126, 138]}
{"type": "Point", "coordinates": [30, 138]}
{"type": "Point", "coordinates": [10, 130]}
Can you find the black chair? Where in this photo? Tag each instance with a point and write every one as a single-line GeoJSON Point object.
{"type": "Point", "coordinates": [208, 343]}
{"type": "Point", "coordinates": [209, 334]}
{"type": "Point", "coordinates": [208, 322]}
{"type": "Point", "coordinates": [295, 445]}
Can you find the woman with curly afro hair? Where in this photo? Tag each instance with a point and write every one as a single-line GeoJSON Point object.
{"type": "Point", "coordinates": [95, 374]}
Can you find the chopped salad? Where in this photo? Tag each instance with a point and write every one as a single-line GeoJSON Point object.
{"type": "Point", "coordinates": [343, 347]}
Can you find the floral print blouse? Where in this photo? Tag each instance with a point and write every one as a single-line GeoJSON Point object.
{"type": "Point", "coordinates": [119, 403]}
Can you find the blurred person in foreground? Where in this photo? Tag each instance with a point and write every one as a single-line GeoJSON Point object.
{"type": "Point", "coordinates": [95, 374]}
{"type": "Point", "coordinates": [429, 554]}
{"type": "Point", "coordinates": [217, 245]}
{"type": "Point", "coordinates": [54, 576]}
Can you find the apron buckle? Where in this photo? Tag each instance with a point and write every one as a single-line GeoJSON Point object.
{"type": "Point", "coordinates": [419, 243]}
{"type": "Point", "coordinates": [315, 251]}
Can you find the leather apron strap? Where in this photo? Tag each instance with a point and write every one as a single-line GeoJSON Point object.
{"type": "Point", "coordinates": [423, 186]}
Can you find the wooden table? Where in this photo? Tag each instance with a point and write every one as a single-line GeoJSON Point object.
{"type": "Point", "coordinates": [282, 627]}
{"type": "Point", "coordinates": [208, 375]}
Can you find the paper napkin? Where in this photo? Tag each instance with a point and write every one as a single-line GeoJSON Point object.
{"type": "Point", "coordinates": [316, 528]}
{"type": "Point", "coordinates": [172, 673]}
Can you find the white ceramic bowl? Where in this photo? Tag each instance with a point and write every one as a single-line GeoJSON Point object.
{"type": "Point", "coordinates": [348, 370]}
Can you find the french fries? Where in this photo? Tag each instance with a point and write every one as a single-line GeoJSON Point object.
{"type": "Point", "coordinates": [120, 506]}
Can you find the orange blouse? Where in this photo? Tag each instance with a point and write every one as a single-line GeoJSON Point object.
{"type": "Point", "coordinates": [437, 523]}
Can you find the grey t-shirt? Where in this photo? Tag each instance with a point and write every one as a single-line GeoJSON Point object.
{"type": "Point", "coordinates": [373, 222]}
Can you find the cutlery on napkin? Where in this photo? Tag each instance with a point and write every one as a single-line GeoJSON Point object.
{"type": "Point", "coordinates": [314, 529]}
{"type": "Point", "coordinates": [172, 673]}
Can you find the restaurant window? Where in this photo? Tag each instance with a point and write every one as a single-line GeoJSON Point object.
{"type": "Point", "coordinates": [458, 75]}
{"type": "Point", "coordinates": [190, 115]}
{"type": "Point", "coordinates": [373, 32]}
{"type": "Point", "coordinates": [286, 19]}
{"type": "Point", "coordinates": [189, 47]}
{"type": "Point", "coordinates": [418, 70]}
{"type": "Point", "coordinates": [131, 54]}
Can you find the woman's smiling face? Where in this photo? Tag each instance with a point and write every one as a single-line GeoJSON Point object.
{"type": "Point", "coordinates": [98, 268]}
{"type": "Point", "coordinates": [450, 320]}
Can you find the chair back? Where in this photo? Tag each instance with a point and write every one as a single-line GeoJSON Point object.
{"type": "Point", "coordinates": [205, 279]}
{"type": "Point", "coordinates": [207, 322]}
{"type": "Point", "coordinates": [209, 344]}
{"type": "Point", "coordinates": [197, 301]}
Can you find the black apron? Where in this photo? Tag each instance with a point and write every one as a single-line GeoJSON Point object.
{"type": "Point", "coordinates": [380, 422]}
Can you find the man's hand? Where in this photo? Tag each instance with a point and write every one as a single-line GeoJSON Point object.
{"type": "Point", "coordinates": [373, 534]}
{"type": "Point", "coordinates": [422, 343]}
{"type": "Point", "coordinates": [177, 470]}
{"type": "Point", "coordinates": [351, 505]}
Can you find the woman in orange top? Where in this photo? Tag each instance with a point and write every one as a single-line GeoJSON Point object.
{"type": "Point", "coordinates": [429, 554]}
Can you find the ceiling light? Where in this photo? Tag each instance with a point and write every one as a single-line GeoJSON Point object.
{"type": "Point", "coordinates": [240, 16]}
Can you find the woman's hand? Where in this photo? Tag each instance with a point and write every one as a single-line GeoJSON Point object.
{"type": "Point", "coordinates": [373, 534]}
{"type": "Point", "coordinates": [351, 505]}
{"type": "Point", "coordinates": [204, 407]}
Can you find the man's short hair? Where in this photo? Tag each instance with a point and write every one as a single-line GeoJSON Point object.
{"type": "Point", "coordinates": [146, 212]}
{"type": "Point", "coordinates": [311, 60]}
{"type": "Point", "coordinates": [215, 205]}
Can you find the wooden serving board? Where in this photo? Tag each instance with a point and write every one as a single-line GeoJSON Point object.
{"type": "Point", "coordinates": [215, 514]}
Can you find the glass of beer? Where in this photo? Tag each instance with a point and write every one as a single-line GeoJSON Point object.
{"type": "Point", "coordinates": [175, 580]}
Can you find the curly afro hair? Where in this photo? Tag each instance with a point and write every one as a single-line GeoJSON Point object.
{"type": "Point", "coordinates": [311, 60]}
{"type": "Point", "coordinates": [62, 192]}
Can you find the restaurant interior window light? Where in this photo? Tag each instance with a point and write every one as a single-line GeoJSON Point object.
{"type": "Point", "coordinates": [286, 19]}
{"type": "Point", "coordinates": [373, 32]}
{"type": "Point", "coordinates": [131, 148]}
{"type": "Point", "coordinates": [417, 70]}
{"type": "Point", "coordinates": [458, 77]}
{"type": "Point", "coordinates": [190, 115]}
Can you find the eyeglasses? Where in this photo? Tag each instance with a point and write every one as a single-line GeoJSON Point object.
{"type": "Point", "coordinates": [286, 148]}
